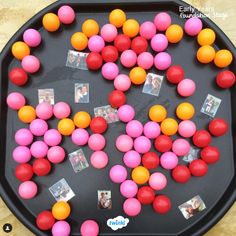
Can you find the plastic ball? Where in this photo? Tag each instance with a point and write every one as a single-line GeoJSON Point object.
{"type": "Point", "coordinates": [206, 37]}
{"type": "Point", "coordinates": [61, 228]}
{"type": "Point", "coordinates": [94, 60]}
{"type": "Point", "coordinates": [118, 174]}
{"type": "Point", "coordinates": [56, 154]}
{"type": "Point", "coordinates": [89, 228]}
{"type": "Point", "coordinates": [223, 58]}
{"type": "Point", "coordinates": [52, 137]}
{"type": "Point", "coordinates": [61, 210]}
{"type": "Point", "coordinates": [163, 143]}
{"type": "Point", "coordinates": [201, 138]}
{"type": "Point", "coordinates": [66, 126]}
{"type": "Point", "coordinates": [193, 26]}
{"type": "Point", "coordinates": [20, 50]}
{"type": "Point", "coordinates": [187, 128]}
{"type": "Point", "coordinates": [162, 60]}
{"type": "Point", "coordinates": [151, 130]}
{"type": "Point", "coordinates": [99, 159]}
{"type": "Point", "coordinates": [145, 60]}
{"type": "Point", "coordinates": [122, 42]}
{"type": "Point", "coordinates": [21, 154]}
{"type": "Point", "coordinates": [132, 207]}
{"type": "Point", "coordinates": [96, 142]}
{"type": "Point", "coordinates": [30, 64]}
{"type": "Point", "coordinates": [161, 204]}
{"type": "Point", "coordinates": [110, 53]}
{"type": "Point", "coordinates": [142, 144]}
{"type": "Point", "coordinates": [79, 41]}
{"type": "Point", "coordinates": [185, 111]}
{"type": "Point", "coordinates": [150, 160]}
{"type": "Point", "coordinates": [169, 126]}
{"type": "Point", "coordinates": [186, 88]}
{"type": "Point", "coordinates": [146, 195]}
{"type": "Point", "coordinates": [128, 189]}
{"type": "Point", "coordinates": [66, 14]}
{"type": "Point", "coordinates": [15, 100]}
{"type": "Point", "coordinates": [139, 44]}
{"type": "Point", "coordinates": [116, 98]}
{"type": "Point", "coordinates": [96, 43]}
{"type": "Point", "coordinates": [51, 22]}
{"type": "Point", "coordinates": [41, 167]}
{"type": "Point", "coordinates": [32, 37]}
{"type": "Point", "coordinates": [147, 29]}
{"type": "Point", "coordinates": [218, 127]}
{"type": "Point", "coordinates": [181, 174]}
{"type": "Point", "coordinates": [130, 28]}
{"type": "Point", "coordinates": [27, 190]}
{"type": "Point", "coordinates": [98, 125]}
{"type": "Point", "coordinates": [175, 74]}
{"type": "Point", "coordinates": [61, 110]}
{"type": "Point", "coordinates": [126, 113]}
{"type": "Point", "coordinates": [80, 137]}
{"type": "Point", "coordinates": [198, 168]}
{"type": "Point", "coordinates": [132, 159]}
{"type": "Point", "coordinates": [110, 70]}
{"type": "Point", "coordinates": [45, 220]}
{"type": "Point", "coordinates": [174, 33]}
{"type": "Point", "coordinates": [206, 54]}
{"type": "Point", "coordinates": [38, 127]}
{"type": "Point", "coordinates": [124, 143]}
{"type": "Point", "coordinates": [90, 27]}
{"type": "Point", "coordinates": [181, 147]}
{"type": "Point", "coordinates": [82, 119]}
{"type": "Point", "coordinates": [210, 154]}
{"type": "Point", "coordinates": [137, 75]}
{"type": "Point", "coordinates": [18, 76]}
{"type": "Point", "coordinates": [162, 21]}
{"type": "Point", "coordinates": [122, 82]}
{"type": "Point", "coordinates": [157, 113]}
{"type": "Point", "coordinates": [24, 172]}
{"type": "Point", "coordinates": [26, 114]}
{"type": "Point", "coordinates": [23, 137]}
{"type": "Point", "coordinates": [128, 58]}
{"type": "Point", "coordinates": [225, 79]}
{"type": "Point", "coordinates": [108, 32]}
{"type": "Point", "coordinates": [169, 160]}
{"type": "Point", "coordinates": [159, 43]}
{"type": "Point", "coordinates": [134, 128]}
{"type": "Point", "coordinates": [117, 17]}
{"type": "Point", "coordinates": [44, 111]}
{"type": "Point", "coordinates": [39, 149]}
{"type": "Point", "coordinates": [140, 175]}
{"type": "Point", "coordinates": [157, 181]}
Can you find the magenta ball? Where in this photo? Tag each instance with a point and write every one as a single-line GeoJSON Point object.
{"type": "Point", "coordinates": [169, 160]}
{"type": "Point", "coordinates": [24, 137]}
{"type": "Point", "coordinates": [80, 137]}
{"type": "Point", "coordinates": [132, 159]}
{"type": "Point", "coordinates": [145, 60]}
{"type": "Point", "coordinates": [28, 190]}
{"type": "Point", "coordinates": [118, 174]}
{"type": "Point", "coordinates": [44, 111]}
{"type": "Point", "coordinates": [186, 87]}
{"type": "Point", "coordinates": [99, 159]}
{"type": "Point", "coordinates": [157, 181]}
{"type": "Point", "coordinates": [193, 26]}
{"type": "Point", "coordinates": [32, 37]}
{"type": "Point", "coordinates": [61, 228]}
{"type": "Point", "coordinates": [61, 110]}
{"type": "Point", "coordinates": [96, 142]}
{"type": "Point", "coordinates": [21, 154]}
{"type": "Point", "coordinates": [162, 21]}
{"type": "Point", "coordinates": [134, 128]}
{"type": "Point", "coordinates": [124, 143]}
{"type": "Point", "coordinates": [15, 100]}
{"type": "Point", "coordinates": [151, 130]}
{"type": "Point", "coordinates": [56, 154]}
{"type": "Point", "coordinates": [159, 43]}
{"type": "Point", "coordinates": [39, 149]}
{"type": "Point", "coordinates": [128, 58]}
{"type": "Point", "coordinates": [38, 127]}
{"type": "Point", "coordinates": [108, 32]}
{"type": "Point", "coordinates": [142, 144]}
{"type": "Point", "coordinates": [30, 64]}
{"type": "Point", "coordinates": [122, 82]}
{"type": "Point", "coordinates": [66, 14]}
{"type": "Point", "coordinates": [89, 228]}
{"type": "Point", "coordinates": [181, 147]}
{"type": "Point", "coordinates": [132, 207]}
{"type": "Point", "coordinates": [126, 113]}
{"type": "Point", "coordinates": [96, 43]}
{"type": "Point", "coordinates": [162, 61]}
{"type": "Point", "coordinates": [110, 70]}
{"type": "Point", "coordinates": [128, 189]}
{"type": "Point", "coordinates": [52, 137]}
{"type": "Point", "coordinates": [187, 128]}
{"type": "Point", "coordinates": [147, 29]}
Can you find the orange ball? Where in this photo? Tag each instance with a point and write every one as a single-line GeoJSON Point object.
{"type": "Point", "coordinates": [137, 75]}
{"type": "Point", "coordinates": [223, 58]}
{"type": "Point", "coordinates": [140, 175]}
{"type": "Point", "coordinates": [51, 22]}
{"type": "Point", "coordinates": [174, 33]}
{"type": "Point", "coordinates": [117, 17]}
{"type": "Point", "coordinates": [169, 126]}
{"type": "Point", "coordinates": [157, 113]}
{"type": "Point", "coordinates": [90, 27]}
{"type": "Point", "coordinates": [27, 114]}
{"type": "Point", "coordinates": [82, 119]}
{"type": "Point", "coordinates": [206, 37]}
{"type": "Point", "coordinates": [131, 28]}
{"type": "Point", "coordinates": [79, 41]}
{"type": "Point", "coordinates": [61, 210]}
{"type": "Point", "coordinates": [205, 54]}
{"type": "Point", "coordinates": [20, 50]}
{"type": "Point", "coordinates": [66, 126]}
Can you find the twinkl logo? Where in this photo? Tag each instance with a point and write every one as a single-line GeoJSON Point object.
{"type": "Point", "coordinates": [117, 223]}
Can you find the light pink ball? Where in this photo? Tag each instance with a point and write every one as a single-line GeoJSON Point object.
{"type": "Point", "coordinates": [61, 228]}
{"type": "Point", "coordinates": [162, 21]}
{"type": "Point", "coordinates": [56, 154]}
{"type": "Point", "coordinates": [145, 60]}
{"type": "Point", "coordinates": [110, 70]}
{"type": "Point", "coordinates": [21, 154]}
{"type": "Point", "coordinates": [157, 181]}
{"type": "Point", "coordinates": [23, 137]}
{"type": "Point", "coordinates": [52, 137]}
{"type": "Point", "coordinates": [122, 82]}
{"type": "Point", "coordinates": [134, 128]}
{"type": "Point", "coordinates": [151, 130]}
{"type": "Point", "coordinates": [159, 43]}
{"type": "Point", "coordinates": [80, 137]}
{"type": "Point", "coordinates": [118, 174]}
{"type": "Point", "coordinates": [162, 60]}
{"type": "Point", "coordinates": [39, 149]}
{"type": "Point", "coordinates": [28, 190]}
{"type": "Point", "coordinates": [96, 43]}
{"type": "Point", "coordinates": [128, 58]}
{"type": "Point", "coordinates": [32, 37]}
{"type": "Point", "coordinates": [142, 144]}
{"type": "Point", "coordinates": [181, 147]}
{"type": "Point", "coordinates": [132, 207]}
{"type": "Point", "coordinates": [66, 14]}
{"type": "Point", "coordinates": [126, 113]}
{"type": "Point", "coordinates": [169, 160]}
{"type": "Point", "coordinates": [108, 32]}
{"type": "Point", "coordinates": [128, 189]}
{"type": "Point", "coordinates": [30, 64]}
{"type": "Point", "coordinates": [15, 100]}
{"type": "Point", "coordinates": [186, 87]}
{"type": "Point", "coordinates": [193, 26]}
{"type": "Point", "coordinates": [147, 29]}
{"type": "Point", "coordinates": [89, 228]}
{"type": "Point", "coordinates": [61, 110]}
{"type": "Point", "coordinates": [132, 159]}
{"type": "Point", "coordinates": [44, 111]}
{"type": "Point", "coordinates": [96, 142]}
{"type": "Point", "coordinates": [99, 159]}
{"type": "Point", "coordinates": [38, 127]}
{"type": "Point", "coordinates": [124, 143]}
{"type": "Point", "coordinates": [187, 128]}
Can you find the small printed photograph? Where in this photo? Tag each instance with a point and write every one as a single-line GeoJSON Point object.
{"type": "Point", "coordinates": [46, 95]}
{"type": "Point", "coordinates": [78, 161]}
{"type": "Point", "coordinates": [192, 155]}
{"type": "Point", "coordinates": [82, 93]}
{"type": "Point", "coordinates": [152, 84]}
{"type": "Point", "coordinates": [192, 207]}
{"type": "Point", "coordinates": [61, 191]}
{"type": "Point", "coordinates": [104, 199]}
{"type": "Point", "coordinates": [76, 60]}
{"type": "Point", "coordinates": [107, 112]}
{"type": "Point", "coordinates": [211, 105]}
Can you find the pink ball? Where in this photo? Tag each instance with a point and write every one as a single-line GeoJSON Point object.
{"type": "Point", "coordinates": [96, 142]}
{"type": "Point", "coordinates": [110, 70]}
{"type": "Point", "coordinates": [61, 110]}
{"type": "Point", "coordinates": [128, 58]}
{"type": "Point", "coordinates": [162, 60]}
{"type": "Point", "coordinates": [145, 60]}
{"type": "Point", "coordinates": [56, 154]}
{"type": "Point", "coordinates": [122, 82]}
{"type": "Point", "coordinates": [44, 111]}
{"type": "Point", "coordinates": [80, 137]}
{"type": "Point", "coordinates": [187, 128]}
{"type": "Point", "coordinates": [134, 128]}
{"type": "Point", "coordinates": [142, 144]}
{"type": "Point", "coordinates": [66, 14]}
{"type": "Point", "coordinates": [157, 181]}
{"type": "Point", "coordinates": [15, 100]}
{"type": "Point", "coordinates": [32, 37]}
{"type": "Point", "coordinates": [89, 228]}
{"type": "Point", "coordinates": [124, 143]}
{"type": "Point", "coordinates": [162, 21]}
{"type": "Point", "coordinates": [181, 147]}
{"type": "Point", "coordinates": [52, 137]}
{"type": "Point", "coordinates": [151, 130]}
{"type": "Point", "coordinates": [28, 190]}
{"type": "Point", "coordinates": [30, 64]}
{"type": "Point", "coordinates": [147, 29]}
{"type": "Point", "coordinates": [186, 87]}
{"type": "Point", "coordinates": [126, 113]}
{"type": "Point", "coordinates": [61, 228]}
{"type": "Point", "coordinates": [132, 207]}
{"type": "Point", "coordinates": [159, 43]}
{"type": "Point", "coordinates": [132, 159]}
{"type": "Point", "coordinates": [39, 149]}
{"type": "Point", "coordinates": [21, 154]}
{"type": "Point", "coordinates": [96, 43]}
{"type": "Point", "coordinates": [108, 32]}
{"type": "Point", "coordinates": [118, 174]}
{"type": "Point", "coordinates": [38, 127]}
{"type": "Point", "coordinates": [128, 189]}
{"type": "Point", "coordinates": [23, 137]}
{"type": "Point", "coordinates": [169, 160]}
{"type": "Point", "coordinates": [99, 159]}
{"type": "Point", "coordinates": [193, 26]}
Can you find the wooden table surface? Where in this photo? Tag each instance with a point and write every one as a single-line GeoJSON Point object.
{"type": "Point", "coordinates": [14, 13]}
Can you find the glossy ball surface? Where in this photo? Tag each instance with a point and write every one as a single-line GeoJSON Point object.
{"type": "Point", "coordinates": [218, 127]}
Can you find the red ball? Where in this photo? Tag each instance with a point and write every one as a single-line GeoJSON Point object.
{"type": "Point", "coordinates": [150, 160]}
{"type": "Point", "coordinates": [198, 167]}
{"type": "Point", "coordinates": [139, 45]}
{"type": "Point", "coordinates": [41, 167]}
{"type": "Point", "coordinates": [202, 138]}
{"type": "Point", "coordinates": [225, 79]}
{"type": "Point", "coordinates": [175, 74]}
{"type": "Point", "coordinates": [98, 125]}
{"type": "Point", "coordinates": [210, 154]}
{"type": "Point", "coordinates": [24, 172]}
{"type": "Point", "coordinates": [163, 143]}
{"type": "Point", "coordinates": [45, 220]}
{"type": "Point", "coordinates": [18, 76]}
{"type": "Point", "coordinates": [146, 195]}
{"type": "Point", "coordinates": [110, 53]}
{"type": "Point", "coordinates": [181, 174]}
{"type": "Point", "coordinates": [122, 42]}
{"type": "Point", "coordinates": [161, 204]}
{"type": "Point", "coordinates": [94, 61]}
{"type": "Point", "coordinates": [117, 98]}
{"type": "Point", "coordinates": [218, 127]}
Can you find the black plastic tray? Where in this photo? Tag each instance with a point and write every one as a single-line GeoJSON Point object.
{"type": "Point", "coordinates": [217, 188]}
